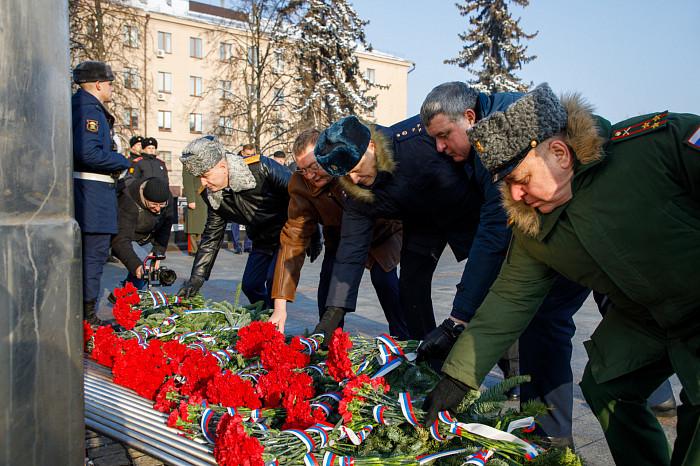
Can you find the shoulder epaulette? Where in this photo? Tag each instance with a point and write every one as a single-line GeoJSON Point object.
{"type": "Point", "coordinates": [408, 131]}
{"type": "Point", "coordinates": [252, 159]}
{"type": "Point", "coordinates": [137, 159]}
{"type": "Point", "coordinates": [643, 127]}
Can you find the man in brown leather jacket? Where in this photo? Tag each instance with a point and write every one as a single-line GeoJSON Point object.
{"type": "Point", "coordinates": [317, 198]}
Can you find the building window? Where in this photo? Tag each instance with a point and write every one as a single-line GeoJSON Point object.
{"type": "Point", "coordinates": [131, 78]}
{"type": "Point", "coordinates": [131, 118]}
{"type": "Point", "coordinates": [225, 52]}
{"type": "Point", "coordinates": [253, 56]}
{"type": "Point", "coordinates": [165, 82]}
{"type": "Point", "coordinates": [371, 75]}
{"type": "Point", "coordinates": [131, 36]}
{"type": "Point", "coordinates": [195, 86]}
{"type": "Point", "coordinates": [224, 89]}
{"type": "Point", "coordinates": [278, 98]}
{"type": "Point", "coordinates": [165, 120]}
{"type": "Point", "coordinates": [195, 122]}
{"type": "Point", "coordinates": [225, 125]}
{"type": "Point", "coordinates": [165, 42]}
{"type": "Point", "coordinates": [195, 47]}
{"type": "Point", "coordinates": [279, 126]}
{"type": "Point", "coordinates": [167, 157]}
{"type": "Point", "coordinates": [279, 62]}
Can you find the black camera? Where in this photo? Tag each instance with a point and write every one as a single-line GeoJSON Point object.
{"type": "Point", "coordinates": [162, 276]}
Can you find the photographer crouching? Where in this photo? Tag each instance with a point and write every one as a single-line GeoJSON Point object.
{"type": "Point", "coordinates": [145, 219]}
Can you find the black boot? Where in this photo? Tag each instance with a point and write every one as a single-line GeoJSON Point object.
{"type": "Point", "coordinates": [665, 409]}
{"type": "Point", "coordinates": [513, 393]}
{"type": "Point", "coordinates": [559, 443]}
{"type": "Point", "coordinates": [89, 314]}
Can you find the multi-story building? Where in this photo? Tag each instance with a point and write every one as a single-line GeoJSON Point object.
{"type": "Point", "coordinates": [186, 69]}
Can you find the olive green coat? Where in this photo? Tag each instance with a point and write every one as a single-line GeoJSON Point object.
{"type": "Point", "coordinates": [631, 231]}
{"type": "Point", "coordinates": [194, 218]}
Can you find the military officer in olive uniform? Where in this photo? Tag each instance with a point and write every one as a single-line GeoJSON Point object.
{"type": "Point", "coordinates": [617, 209]}
{"type": "Point", "coordinates": [97, 167]}
{"type": "Point", "coordinates": [148, 165]}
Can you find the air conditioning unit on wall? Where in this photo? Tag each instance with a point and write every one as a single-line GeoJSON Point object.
{"type": "Point", "coordinates": [161, 96]}
{"type": "Point", "coordinates": [160, 53]}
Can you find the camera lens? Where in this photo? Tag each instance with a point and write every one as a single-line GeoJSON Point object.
{"type": "Point", "coordinates": [167, 277]}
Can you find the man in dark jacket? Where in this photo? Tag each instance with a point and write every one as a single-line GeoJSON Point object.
{"type": "Point", "coordinates": [135, 147]}
{"type": "Point", "coordinates": [545, 348]}
{"type": "Point", "coordinates": [251, 191]}
{"type": "Point", "coordinates": [396, 173]}
{"type": "Point", "coordinates": [317, 198]}
{"type": "Point", "coordinates": [145, 219]}
{"type": "Point", "coordinates": [96, 169]}
{"type": "Point", "coordinates": [148, 165]}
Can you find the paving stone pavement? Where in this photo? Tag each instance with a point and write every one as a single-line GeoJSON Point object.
{"type": "Point", "coordinates": [368, 320]}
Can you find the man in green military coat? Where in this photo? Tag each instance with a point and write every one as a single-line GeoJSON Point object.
{"type": "Point", "coordinates": [617, 209]}
{"type": "Point", "coordinates": [196, 215]}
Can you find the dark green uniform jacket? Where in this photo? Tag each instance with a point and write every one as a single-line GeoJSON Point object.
{"type": "Point", "coordinates": [631, 231]}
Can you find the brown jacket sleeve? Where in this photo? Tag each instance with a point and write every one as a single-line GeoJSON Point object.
{"type": "Point", "coordinates": [302, 222]}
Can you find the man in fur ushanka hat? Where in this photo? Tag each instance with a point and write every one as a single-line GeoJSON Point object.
{"type": "Point", "coordinates": [617, 209]}
{"type": "Point", "coordinates": [395, 173]}
{"type": "Point", "coordinates": [251, 191]}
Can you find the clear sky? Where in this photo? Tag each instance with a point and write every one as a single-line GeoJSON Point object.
{"type": "Point", "coordinates": [626, 57]}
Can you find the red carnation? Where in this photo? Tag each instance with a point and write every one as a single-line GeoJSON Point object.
{"type": "Point", "coordinates": [230, 390]}
{"type": "Point", "coordinates": [234, 446]}
{"type": "Point", "coordinates": [278, 355]}
{"type": "Point", "coordinates": [339, 365]}
{"type": "Point", "coordinates": [87, 332]}
{"type": "Point", "coordinates": [253, 337]}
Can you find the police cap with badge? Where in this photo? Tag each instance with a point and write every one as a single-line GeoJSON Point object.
{"type": "Point", "coordinates": [503, 139]}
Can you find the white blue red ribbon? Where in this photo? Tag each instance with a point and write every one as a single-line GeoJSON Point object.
{"type": "Point", "coordinates": [479, 458]}
{"type": "Point", "coordinates": [304, 437]}
{"type": "Point", "coordinates": [392, 364]}
{"type": "Point", "coordinates": [204, 424]}
{"type": "Point", "coordinates": [407, 408]}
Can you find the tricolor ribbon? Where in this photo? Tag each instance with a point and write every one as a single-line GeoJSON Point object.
{"type": "Point", "coordinates": [204, 424]}
{"type": "Point", "coordinates": [305, 439]}
{"type": "Point", "coordinates": [407, 408]}
{"type": "Point", "coordinates": [311, 344]}
{"type": "Point", "coordinates": [325, 407]}
{"type": "Point", "coordinates": [527, 424]}
{"type": "Point", "coordinates": [392, 364]}
{"type": "Point", "coordinates": [310, 460]}
{"type": "Point", "coordinates": [323, 437]}
{"type": "Point", "coordinates": [378, 414]}
{"type": "Point", "coordinates": [391, 343]}
{"type": "Point", "coordinates": [479, 458]}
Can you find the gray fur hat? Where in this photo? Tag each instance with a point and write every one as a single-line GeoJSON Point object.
{"type": "Point", "coordinates": [91, 71]}
{"type": "Point", "coordinates": [504, 139]}
{"type": "Point", "coordinates": [200, 155]}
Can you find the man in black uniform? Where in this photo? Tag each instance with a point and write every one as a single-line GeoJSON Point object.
{"type": "Point", "coordinates": [148, 165]}
{"type": "Point", "coordinates": [135, 147]}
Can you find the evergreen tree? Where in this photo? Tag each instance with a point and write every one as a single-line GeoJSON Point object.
{"type": "Point", "coordinates": [329, 81]}
{"type": "Point", "coordinates": [493, 40]}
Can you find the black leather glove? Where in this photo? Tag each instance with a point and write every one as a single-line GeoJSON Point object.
{"type": "Point", "coordinates": [315, 246]}
{"type": "Point", "coordinates": [329, 322]}
{"type": "Point", "coordinates": [438, 343]}
{"type": "Point", "coordinates": [447, 395]}
{"type": "Point", "coordinates": [191, 287]}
